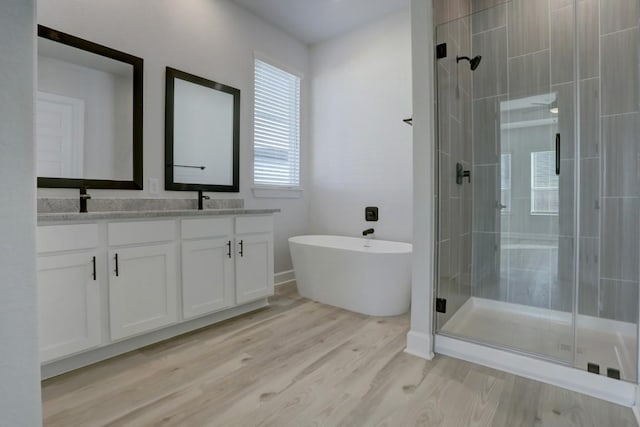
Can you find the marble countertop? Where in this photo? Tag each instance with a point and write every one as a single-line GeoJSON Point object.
{"type": "Point", "coordinates": [95, 216]}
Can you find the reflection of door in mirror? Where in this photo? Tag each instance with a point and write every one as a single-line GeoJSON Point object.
{"type": "Point", "coordinates": [59, 135]}
{"type": "Point", "coordinates": [107, 94]}
{"type": "Point", "coordinates": [89, 114]}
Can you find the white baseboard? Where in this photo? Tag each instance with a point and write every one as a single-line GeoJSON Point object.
{"type": "Point", "coordinates": [419, 344]}
{"type": "Point", "coordinates": [90, 357]}
{"type": "Point", "coordinates": [598, 386]}
{"type": "Point", "coordinates": [284, 277]}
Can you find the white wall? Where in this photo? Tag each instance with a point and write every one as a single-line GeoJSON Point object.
{"type": "Point", "coordinates": [420, 337]}
{"type": "Point", "coordinates": [19, 365]}
{"type": "Point", "coordinates": [214, 39]}
{"type": "Point", "coordinates": [361, 150]}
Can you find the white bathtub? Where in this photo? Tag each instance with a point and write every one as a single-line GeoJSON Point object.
{"type": "Point", "coordinates": [344, 272]}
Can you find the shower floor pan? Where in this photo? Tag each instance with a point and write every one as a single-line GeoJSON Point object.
{"type": "Point", "coordinates": [548, 334]}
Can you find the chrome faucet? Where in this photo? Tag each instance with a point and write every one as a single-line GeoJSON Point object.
{"type": "Point", "coordinates": [83, 199]}
{"type": "Point", "coordinates": [201, 197]}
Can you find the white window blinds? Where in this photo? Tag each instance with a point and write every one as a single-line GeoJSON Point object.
{"type": "Point", "coordinates": [276, 135]}
{"type": "Point", "coordinates": [505, 182]}
{"type": "Point", "coordinates": [544, 183]}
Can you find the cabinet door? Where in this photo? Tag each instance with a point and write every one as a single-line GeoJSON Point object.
{"type": "Point", "coordinates": [254, 267]}
{"type": "Point", "coordinates": [142, 289]}
{"type": "Point", "coordinates": [68, 305]}
{"type": "Point", "coordinates": [207, 276]}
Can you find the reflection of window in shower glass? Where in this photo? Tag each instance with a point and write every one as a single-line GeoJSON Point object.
{"type": "Point", "coordinates": [544, 183]}
{"type": "Point", "coordinates": [505, 183]}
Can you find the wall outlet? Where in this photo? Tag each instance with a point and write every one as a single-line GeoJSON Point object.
{"type": "Point", "coordinates": [154, 186]}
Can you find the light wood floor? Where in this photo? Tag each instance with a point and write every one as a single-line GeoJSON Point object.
{"type": "Point", "coordinates": [300, 363]}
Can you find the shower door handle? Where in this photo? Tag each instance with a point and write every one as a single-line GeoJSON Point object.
{"type": "Point", "coordinates": [461, 174]}
{"type": "Point", "coordinates": [557, 154]}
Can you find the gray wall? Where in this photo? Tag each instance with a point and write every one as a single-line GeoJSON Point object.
{"type": "Point", "coordinates": [19, 365]}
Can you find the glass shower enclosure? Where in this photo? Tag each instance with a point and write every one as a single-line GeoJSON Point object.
{"type": "Point", "coordinates": [538, 180]}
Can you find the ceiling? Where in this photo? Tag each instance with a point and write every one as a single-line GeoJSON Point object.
{"type": "Point", "coordinates": [313, 21]}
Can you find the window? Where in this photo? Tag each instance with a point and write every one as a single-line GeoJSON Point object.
{"type": "Point", "coordinates": [276, 135]}
{"type": "Point", "coordinates": [505, 183]}
{"type": "Point", "coordinates": [544, 183]}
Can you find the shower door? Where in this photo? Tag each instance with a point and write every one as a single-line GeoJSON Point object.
{"type": "Point", "coordinates": [538, 244]}
{"type": "Point", "coordinates": [506, 228]}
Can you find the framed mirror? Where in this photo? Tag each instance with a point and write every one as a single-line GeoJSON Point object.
{"type": "Point", "coordinates": [202, 134]}
{"type": "Point", "coordinates": [88, 114]}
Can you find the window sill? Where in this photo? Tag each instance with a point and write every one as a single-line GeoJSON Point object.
{"type": "Point", "coordinates": [277, 192]}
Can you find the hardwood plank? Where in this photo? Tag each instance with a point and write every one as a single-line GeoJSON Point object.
{"type": "Point", "coordinates": [301, 363]}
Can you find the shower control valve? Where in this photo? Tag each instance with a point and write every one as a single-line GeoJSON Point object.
{"type": "Point", "coordinates": [461, 174]}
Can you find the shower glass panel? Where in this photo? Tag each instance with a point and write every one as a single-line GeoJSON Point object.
{"type": "Point", "coordinates": [454, 82]}
{"type": "Point", "coordinates": [609, 207]}
{"type": "Point", "coordinates": [538, 243]}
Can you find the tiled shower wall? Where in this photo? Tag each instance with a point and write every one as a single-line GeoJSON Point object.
{"type": "Point", "coordinates": [528, 49]}
{"type": "Point", "coordinates": [610, 140]}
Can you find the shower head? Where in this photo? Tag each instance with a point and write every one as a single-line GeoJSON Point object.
{"type": "Point", "coordinates": [473, 62]}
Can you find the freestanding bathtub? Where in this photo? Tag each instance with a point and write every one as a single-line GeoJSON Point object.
{"type": "Point", "coordinates": [366, 276]}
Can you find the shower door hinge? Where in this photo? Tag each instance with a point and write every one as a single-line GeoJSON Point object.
{"type": "Point", "coordinates": [441, 51]}
{"type": "Point", "coordinates": [441, 305]}
{"type": "Point", "coordinates": [594, 368]}
{"type": "Point", "coordinates": [613, 373]}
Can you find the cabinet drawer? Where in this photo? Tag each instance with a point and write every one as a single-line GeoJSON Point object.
{"type": "Point", "coordinates": [254, 224]}
{"type": "Point", "coordinates": [54, 238]}
{"type": "Point", "coordinates": [206, 227]}
{"type": "Point", "coordinates": [132, 233]}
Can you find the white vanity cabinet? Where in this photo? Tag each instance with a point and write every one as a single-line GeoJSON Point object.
{"type": "Point", "coordinates": [254, 258]}
{"type": "Point", "coordinates": [69, 311]}
{"type": "Point", "coordinates": [115, 285]}
{"type": "Point", "coordinates": [207, 266]}
{"type": "Point", "coordinates": [222, 268]}
{"type": "Point", "coordinates": [142, 277]}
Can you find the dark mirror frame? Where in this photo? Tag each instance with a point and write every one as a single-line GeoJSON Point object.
{"type": "Point", "coordinates": [169, 183]}
{"type": "Point", "coordinates": [138, 66]}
